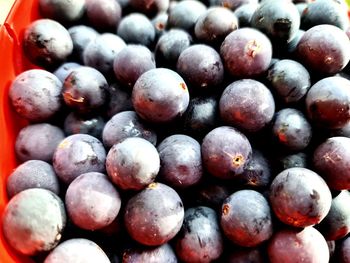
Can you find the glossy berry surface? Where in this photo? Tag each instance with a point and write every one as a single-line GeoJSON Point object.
{"type": "Point", "coordinates": [299, 197]}
{"type": "Point", "coordinates": [180, 161]}
{"type": "Point", "coordinates": [336, 224]}
{"type": "Point", "coordinates": [92, 202]}
{"type": "Point", "coordinates": [176, 131]}
{"type": "Point", "coordinates": [328, 58]}
{"type": "Point", "coordinates": [246, 52]}
{"type": "Point", "coordinates": [159, 254]}
{"type": "Point", "coordinates": [225, 152]}
{"type": "Point", "coordinates": [201, 67]}
{"type": "Point", "coordinates": [104, 15]}
{"type": "Point", "coordinates": [75, 250]}
{"type": "Point", "coordinates": [127, 124]}
{"type": "Point", "coordinates": [246, 227]}
{"type": "Point", "coordinates": [214, 25]}
{"type": "Point", "coordinates": [84, 89]}
{"type": "Point", "coordinates": [169, 47]}
{"type": "Point", "coordinates": [293, 245]}
{"type": "Point", "coordinates": [200, 238]}
{"type": "Point", "coordinates": [133, 163]}
{"type": "Point", "coordinates": [280, 20]}
{"type": "Point", "coordinates": [201, 116]}
{"type": "Point", "coordinates": [47, 43]}
{"type": "Point", "coordinates": [92, 125]}
{"type": "Point", "coordinates": [247, 104]}
{"type": "Point", "coordinates": [131, 62]}
{"type": "Point", "coordinates": [327, 102]}
{"type": "Point", "coordinates": [160, 95]}
{"type": "Point", "coordinates": [330, 161]}
{"type": "Point", "coordinates": [35, 95]}
{"type": "Point", "coordinates": [33, 221]}
{"type": "Point", "coordinates": [289, 79]}
{"type": "Point", "coordinates": [136, 28]}
{"type": "Point", "coordinates": [63, 11]}
{"type": "Point", "coordinates": [32, 174]}
{"type": "Point", "coordinates": [38, 142]}
{"type": "Point", "coordinates": [291, 129]}
{"type": "Point", "coordinates": [100, 52]}
{"type": "Point", "coordinates": [78, 154]}
{"type": "Point", "coordinates": [154, 215]}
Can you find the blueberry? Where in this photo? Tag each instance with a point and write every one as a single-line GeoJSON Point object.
{"type": "Point", "coordinates": [159, 23]}
{"type": "Point", "coordinates": [289, 79]}
{"type": "Point", "coordinates": [246, 227]}
{"type": "Point", "coordinates": [36, 95]}
{"type": "Point", "coordinates": [119, 100]}
{"type": "Point", "coordinates": [77, 250]}
{"type": "Point", "coordinates": [62, 10]}
{"type": "Point", "coordinates": [330, 160]}
{"type": "Point", "coordinates": [325, 12]}
{"type": "Point", "coordinates": [291, 129]}
{"type": "Point", "coordinates": [201, 67]}
{"type": "Point", "coordinates": [92, 201]}
{"type": "Point", "coordinates": [300, 197]}
{"type": "Point", "coordinates": [159, 254]}
{"type": "Point", "coordinates": [149, 7]}
{"type": "Point", "coordinates": [136, 28]}
{"type": "Point", "coordinates": [133, 163]}
{"type": "Point", "coordinates": [38, 142]}
{"type": "Point", "coordinates": [101, 52]}
{"type": "Point", "coordinates": [85, 89]}
{"type": "Point", "coordinates": [32, 174]}
{"type": "Point", "coordinates": [280, 20]}
{"type": "Point", "coordinates": [92, 125]}
{"type": "Point", "coordinates": [78, 154]}
{"type": "Point", "coordinates": [329, 57]}
{"type": "Point", "coordinates": [232, 4]}
{"type": "Point", "coordinates": [298, 245]}
{"type": "Point", "coordinates": [169, 47]}
{"type": "Point", "coordinates": [327, 102]}
{"type": "Point", "coordinates": [210, 193]}
{"type": "Point", "coordinates": [33, 221]}
{"type": "Point", "coordinates": [181, 161]}
{"type": "Point", "coordinates": [103, 15]}
{"type": "Point", "coordinates": [47, 43]}
{"type": "Point", "coordinates": [257, 173]}
{"type": "Point", "coordinates": [214, 25]}
{"type": "Point", "coordinates": [81, 36]}
{"type": "Point", "coordinates": [201, 116]}
{"type": "Point", "coordinates": [293, 44]}
{"type": "Point", "coordinates": [244, 14]}
{"type": "Point", "coordinates": [154, 215]}
{"type": "Point", "coordinates": [225, 152]}
{"type": "Point", "coordinates": [160, 95]}
{"type": "Point", "coordinates": [200, 238]}
{"type": "Point", "coordinates": [184, 14]}
{"type": "Point", "coordinates": [299, 159]}
{"type": "Point", "coordinates": [343, 131]}
{"type": "Point", "coordinates": [246, 52]}
{"type": "Point", "coordinates": [336, 224]}
{"type": "Point", "coordinates": [127, 124]}
{"type": "Point", "coordinates": [301, 6]}
{"type": "Point", "coordinates": [344, 250]}
{"type": "Point", "coordinates": [131, 62]}
{"type": "Point", "coordinates": [247, 104]}
{"type": "Point", "coordinates": [65, 69]}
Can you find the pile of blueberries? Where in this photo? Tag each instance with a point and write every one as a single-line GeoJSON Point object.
{"type": "Point", "coordinates": [183, 131]}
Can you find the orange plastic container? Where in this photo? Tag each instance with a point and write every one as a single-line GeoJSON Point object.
{"type": "Point", "coordinates": [12, 62]}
